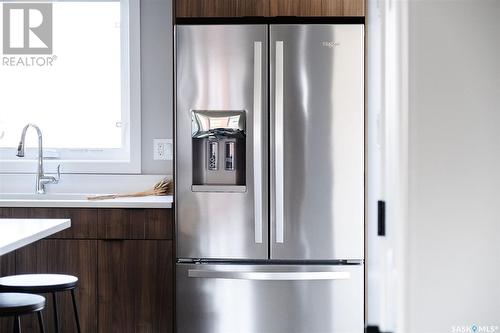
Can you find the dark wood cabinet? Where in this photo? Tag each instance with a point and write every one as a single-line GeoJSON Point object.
{"type": "Point", "coordinates": [221, 8]}
{"type": "Point", "coordinates": [268, 8]}
{"type": "Point", "coordinates": [7, 267]}
{"type": "Point", "coordinates": [295, 7]}
{"type": "Point", "coordinates": [317, 8]}
{"type": "Point", "coordinates": [135, 223]}
{"type": "Point", "coordinates": [14, 213]}
{"type": "Point", "coordinates": [7, 264]}
{"type": "Point", "coordinates": [135, 279]}
{"type": "Point", "coordinates": [83, 220]}
{"type": "Point", "coordinates": [64, 256]}
{"type": "Point", "coordinates": [343, 7]}
{"type": "Point", "coordinates": [123, 259]}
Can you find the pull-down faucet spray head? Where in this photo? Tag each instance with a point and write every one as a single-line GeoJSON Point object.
{"type": "Point", "coordinates": [20, 149]}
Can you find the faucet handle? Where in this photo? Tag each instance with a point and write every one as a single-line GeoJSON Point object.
{"type": "Point", "coordinates": [58, 173]}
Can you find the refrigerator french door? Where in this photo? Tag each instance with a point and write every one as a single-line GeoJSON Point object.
{"type": "Point", "coordinates": [221, 73]}
{"type": "Point", "coordinates": [317, 142]}
{"type": "Point", "coordinates": [269, 178]}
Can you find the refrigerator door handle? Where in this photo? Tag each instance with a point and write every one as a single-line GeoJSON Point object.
{"type": "Point", "coordinates": [268, 276]}
{"type": "Point", "coordinates": [257, 142]}
{"type": "Point", "coordinates": [278, 140]}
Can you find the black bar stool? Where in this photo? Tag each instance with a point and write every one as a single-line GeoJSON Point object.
{"type": "Point", "coordinates": [15, 305]}
{"type": "Point", "coordinates": [43, 283]}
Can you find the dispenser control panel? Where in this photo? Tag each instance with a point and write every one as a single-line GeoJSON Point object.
{"type": "Point", "coordinates": [219, 148]}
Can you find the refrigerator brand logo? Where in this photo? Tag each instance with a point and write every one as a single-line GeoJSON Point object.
{"type": "Point", "coordinates": [474, 329]}
{"type": "Point", "coordinates": [27, 30]}
{"type": "Point", "coordinates": [330, 44]}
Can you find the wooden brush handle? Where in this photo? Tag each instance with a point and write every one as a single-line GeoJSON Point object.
{"type": "Point", "coordinates": [114, 196]}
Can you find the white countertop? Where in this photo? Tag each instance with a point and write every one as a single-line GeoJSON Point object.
{"type": "Point", "coordinates": [80, 200]}
{"type": "Point", "coordinates": [16, 233]}
{"type": "Point", "coordinates": [17, 190]}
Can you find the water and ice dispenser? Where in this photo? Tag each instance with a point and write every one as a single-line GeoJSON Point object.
{"type": "Point", "coordinates": [219, 149]}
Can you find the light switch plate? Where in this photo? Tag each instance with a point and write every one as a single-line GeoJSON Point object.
{"type": "Point", "coordinates": [163, 149]}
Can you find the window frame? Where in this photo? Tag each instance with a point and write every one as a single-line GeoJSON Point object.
{"type": "Point", "coordinates": [97, 161]}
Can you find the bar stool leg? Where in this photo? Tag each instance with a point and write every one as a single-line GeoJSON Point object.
{"type": "Point", "coordinates": [40, 322]}
{"type": "Point", "coordinates": [17, 324]}
{"type": "Point", "coordinates": [75, 308]}
{"type": "Point", "coordinates": [56, 316]}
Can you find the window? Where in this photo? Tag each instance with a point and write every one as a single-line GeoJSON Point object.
{"type": "Point", "coordinates": [72, 68]}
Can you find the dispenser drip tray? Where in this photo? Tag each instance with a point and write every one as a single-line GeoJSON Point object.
{"type": "Point", "coordinates": [219, 188]}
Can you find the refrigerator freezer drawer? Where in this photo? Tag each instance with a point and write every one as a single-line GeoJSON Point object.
{"type": "Point", "coordinates": [229, 298]}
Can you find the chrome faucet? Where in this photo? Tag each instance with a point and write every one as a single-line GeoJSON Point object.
{"type": "Point", "coordinates": [41, 178]}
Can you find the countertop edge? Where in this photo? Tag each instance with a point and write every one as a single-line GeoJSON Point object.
{"type": "Point", "coordinates": [165, 203]}
{"type": "Point", "coordinates": [72, 204]}
{"type": "Point", "coordinates": [37, 236]}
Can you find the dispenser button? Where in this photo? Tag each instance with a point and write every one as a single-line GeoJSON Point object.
{"type": "Point", "coordinates": [230, 156]}
{"type": "Point", "coordinates": [213, 153]}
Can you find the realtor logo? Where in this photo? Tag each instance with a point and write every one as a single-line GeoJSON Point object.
{"type": "Point", "coordinates": [27, 28]}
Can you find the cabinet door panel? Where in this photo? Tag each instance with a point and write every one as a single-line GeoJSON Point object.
{"type": "Point", "coordinates": [343, 7]}
{"type": "Point", "coordinates": [317, 8]}
{"type": "Point", "coordinates": [295, 7]}
{"type": "Point", "coordinates": [7, 267]}
{"type": "Point", "coordinates": [13, 213]}
{"type": "Point", "coordinates": [251, 7]}
{"type": "Point", "coordinates": [135, 282]}
{"type": "Point", "coordinates": [74, 257]}
{"type": "Point", "coordinates": [135, 224]}
{"type": "Point", "coordinates": [83, 220]}
{"type": "Point", "coordinates": [221, 8]}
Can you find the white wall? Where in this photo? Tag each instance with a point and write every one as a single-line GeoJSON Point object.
{"type": "Point", "coordinates": [157, 81]}
{"type": "Point", "coordinates": [454, 165]}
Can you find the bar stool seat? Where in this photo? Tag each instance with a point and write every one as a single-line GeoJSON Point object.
{"type": "Point", "coordinates": [18, 304]}
{"type": "Point", "coordinates": [38, 283]}
{"type": "Point", "coordinates": [43, 283]}
{"type": "Point", "coordinates": [13, 304]}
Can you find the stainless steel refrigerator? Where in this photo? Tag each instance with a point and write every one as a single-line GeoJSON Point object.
{"type": "Point", "coordinates": [269, 178]}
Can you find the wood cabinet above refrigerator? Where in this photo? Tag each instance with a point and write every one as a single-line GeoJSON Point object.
{"type": "Point", "coordinates": [269, 8]}
{"type": "Point", "coordinates": [221, 8]}
{"type": "Point", "coordinates": [317, 8]}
